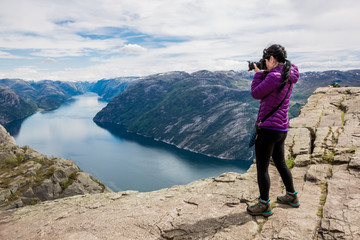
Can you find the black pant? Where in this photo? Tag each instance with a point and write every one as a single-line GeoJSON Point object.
{"type": "Point", "coordinates": [270, 143]}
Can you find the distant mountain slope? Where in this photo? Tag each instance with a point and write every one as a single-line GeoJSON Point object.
{"type": "Point", "coordinates": [28, 96]}
{"type": "Point", "coordinates": [110, 88]}
{"type": "Point", "coordinates": [207, 112]}
{"type": "Point", "coordinates": [203, 112]}
{"type": "Point", "coordinates": [309, 81]}
{"type": "Point", "coordinates": [13, 107]}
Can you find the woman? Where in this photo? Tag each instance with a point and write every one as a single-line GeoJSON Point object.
{"type": "Point", "coordinates": [271, 87]}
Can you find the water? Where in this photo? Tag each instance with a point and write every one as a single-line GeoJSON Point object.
{"type": "Point", "coordinates": [120, 160]}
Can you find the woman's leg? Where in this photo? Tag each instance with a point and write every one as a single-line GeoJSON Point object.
{"type": "Point", "coordinates": [278, 156]}
{"type": "Point", "coordinates": [264, 146]}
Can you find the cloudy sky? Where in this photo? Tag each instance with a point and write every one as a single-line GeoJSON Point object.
{"type": "Point", "coordinates": [94, 39]}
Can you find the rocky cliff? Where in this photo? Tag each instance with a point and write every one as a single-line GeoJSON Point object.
{"type": "Point", "coordinates": [323, 148]}
{"type": "Point", "coordinates": [28, 177]}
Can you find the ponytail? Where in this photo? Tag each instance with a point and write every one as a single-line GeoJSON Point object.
{"type": "Point", "coordinates": [285, 74]}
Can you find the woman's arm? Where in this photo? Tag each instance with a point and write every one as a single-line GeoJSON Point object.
{"type": "Point", "coordinates": [261, 88]}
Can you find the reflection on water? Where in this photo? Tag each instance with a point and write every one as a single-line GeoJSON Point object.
{"type": "Point", "coordinates": [121, 160]}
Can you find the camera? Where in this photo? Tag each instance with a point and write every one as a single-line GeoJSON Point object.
{"type": "Point", "coordinates": [260, 64]}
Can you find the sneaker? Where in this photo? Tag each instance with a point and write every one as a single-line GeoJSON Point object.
{"type": "Point", "coordinates": [261, 208]}
{"type": "Point", "coordinates": [289, 198]}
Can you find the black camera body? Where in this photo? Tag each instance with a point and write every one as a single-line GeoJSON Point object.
{"type": "Point", "coordinates": [260, 64]}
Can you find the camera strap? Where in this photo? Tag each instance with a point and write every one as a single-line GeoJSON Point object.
{"type": "Point", "coordinates": [276, 108]}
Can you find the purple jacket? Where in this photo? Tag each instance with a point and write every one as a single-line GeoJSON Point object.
{"type": "Point", "coordinates": [267, 91]}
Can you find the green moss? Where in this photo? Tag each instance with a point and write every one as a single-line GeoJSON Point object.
{"type": "Point", "coordinates": [10, 162]}
{"type": "Point", "coordinates": [5, 182]}
{"type": "Point", "coordinates": [290, 162]}
{"type": "Point", "coordinates": [38, 180]}
{"type": "Point", "coordinates": [343, 118]}
{"type": "Point", "coordinates": [330, 173]}
{"type": "Point", "coordinates": [71, 178]}
{"type": "Point", "coordinates": [98, 182]}
{"type": "Point", "coordinates": [328, 157]}
{"type": "Point", "coordinates": [273, 204]}
{"type": "Point", "coordinates": [49, 172]}
{"type": "Point", "coordinates": [34, 202]}
{"type": "Point", "coordinates": [65, 184]}
{"type": "Point", "coordinates": [261, 225]}
{"type": "Point", "coordinates": [323, 196]}
{"type": "Point", "coordinates": [13, 197]}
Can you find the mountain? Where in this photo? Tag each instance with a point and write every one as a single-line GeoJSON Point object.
{"type": "Point", "coordinates": [21, 98]}
{"type": "Point", "coordinates": [49, 95]}
{"type": "Point", "coordinates": [309, 81]}
{"type": "Point", "coordinates": [110, 88]}
{"type": "Point", "coordinates": [13, 107]}
{"type": "Point", "coordinates": [204, 112]}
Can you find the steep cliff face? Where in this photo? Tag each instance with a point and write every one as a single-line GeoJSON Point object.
{"type": "Point", "coordinates": [28, 177]}
{"type": "Point", "coordinates": [204, 112]}
{"type": "Point", "coordinates": [323, 147]}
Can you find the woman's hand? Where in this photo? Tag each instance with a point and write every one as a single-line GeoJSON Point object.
{"type": "Point", "coordinates": [256, 69]}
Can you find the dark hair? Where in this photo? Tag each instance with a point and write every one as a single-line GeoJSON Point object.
{"type": "Point", "coordinates": [279, 53]}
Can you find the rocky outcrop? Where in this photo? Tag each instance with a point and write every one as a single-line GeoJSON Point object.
{"type": "Point", "coordinates": [28, 177]}
{"type": "Point", "coordinates": [322, 147]}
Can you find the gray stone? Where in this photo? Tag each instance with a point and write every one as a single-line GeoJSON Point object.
{"type": "Point", "coordinates": [58, 176]}
{"type": "Point", "coordinates": [17, 204]}
{"type": "Point", "coordinates": [355, 161]}
{"type": "Point", "coordinates": [45, 191]}
{"type": "Point", "coordinates": [28, 193]}
{"type": "Point", "coordinates": [302, 160]}
{"type": "Point", "coordinates": [318, 173]}
{"type": "Point", "coordinates": [5, 136]}
{"type": "Point", "coordinates": [29, 200]}
{"type": "Point", "coordinates": [340, 213]}
{"type": "Point", "coordinates": [4, 194]}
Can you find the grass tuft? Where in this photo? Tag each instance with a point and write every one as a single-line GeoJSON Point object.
{"type": "Point", "coordinates": [323, 196]}
{"type": "Point", "coordinates": [290, 162]}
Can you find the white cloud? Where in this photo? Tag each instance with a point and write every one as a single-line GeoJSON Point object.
{"type": "Point", "coordinates": [133, 48]}
{"type": "Point", "coordinates": [49, 61]}
{"type": "Point", "coordinates": [122, 38]}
